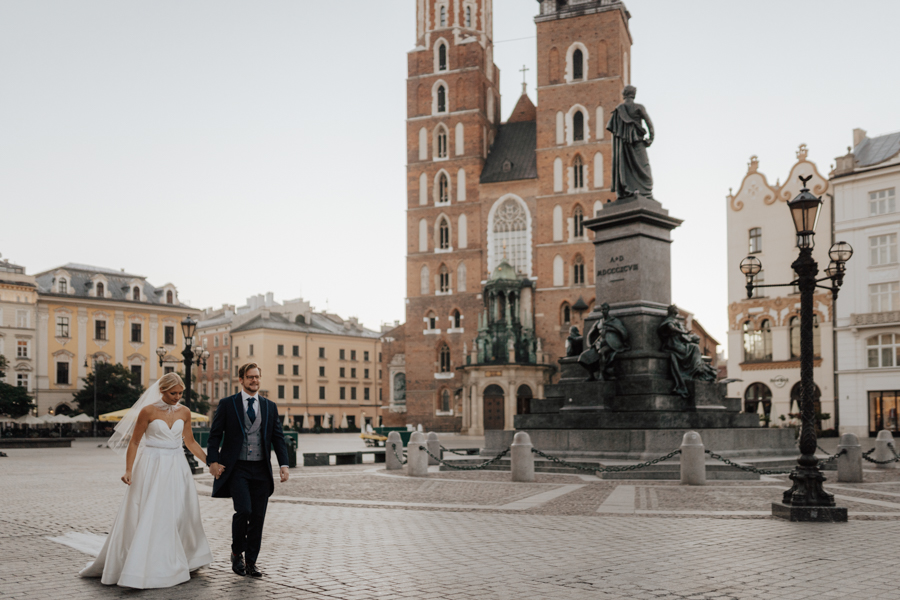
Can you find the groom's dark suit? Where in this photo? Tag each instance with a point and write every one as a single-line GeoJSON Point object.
{"type": "Point", "coordinates": [248, 483]}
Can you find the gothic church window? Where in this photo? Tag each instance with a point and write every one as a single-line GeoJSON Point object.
{"type": "Point", "coordinates": [441, 99]}
{"type": "Point", "coordinates": [441, 142]}
{"type": "Point", "coordinates": [445, 359]}
{"type": "Point", "coordinates": [578, 270]}
{"type": "Point", "coordinates": [443, 16]}
{"type": "Point", "coordinates": [468, 16]}
{"type": "Point", "coordinates": [443, 234]}
{"type": "Point", "coordinates": [444, 279]}
{"type": "Point", "coordinates": [443, 189]}
{"type": "Point", "coordinates": [578, 222]}
{"type": "Point", "coordinates": [445, 401]}
{"type": "Point", "coordinates": [510, 236]}
{"type": "Point", "coordinates": [442, 57]}
{"type": "Point", "coordinates": [456, 319]}
{"type": "Point", "coordinates": [577, 65]}
{"type": "Point", "coordinates": [432, 320]}
{"type": "Point", "coordinates": [578, 172]}
{"type": "Point", "coordinates": [565, 314]}
{"type": "Point", "coordinates": [578, 126]}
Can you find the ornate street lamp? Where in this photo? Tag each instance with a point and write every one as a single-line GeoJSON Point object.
{"type": "Point", "coordinates": [807, 500]}
{"type": "Point", "coordinates": [96, 382]}
{"type": "Point", "coordinates": [191, 357]}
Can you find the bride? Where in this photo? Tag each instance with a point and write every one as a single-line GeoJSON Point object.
{"type": "Point", "coordinates": [157, 538]}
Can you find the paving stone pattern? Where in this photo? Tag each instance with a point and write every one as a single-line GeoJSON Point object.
{"type": "Point", "coordinates": [561, 549]}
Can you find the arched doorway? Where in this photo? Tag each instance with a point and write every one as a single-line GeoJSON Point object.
{"type": "Point", "coordinates": [817, 403]}
{"type": "Point", "coordinates": [63, 409]}
{"type": "Point", "coordinates": [493, 407]}
{"type": "Point", "coordinates": [758, 394]}
{"type": "Point", "coordinates": [523, 400]}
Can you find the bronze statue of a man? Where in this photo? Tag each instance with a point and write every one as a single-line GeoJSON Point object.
{"type": "Point", "coordinates": [685, 358]}
{"type": "Point", "coordinates": [606, 339]}
{"type": "Point", "coordinates": [630, 166]}
{"type": "Point", "coordinates": [574, 343]}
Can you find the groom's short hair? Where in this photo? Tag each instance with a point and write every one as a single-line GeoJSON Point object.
{"type": "Point", "coordinates": [243, 370]}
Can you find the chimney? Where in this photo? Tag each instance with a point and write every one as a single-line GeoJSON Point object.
{"type": "Point", "coordinates": [858, 136]}
{"type": "Point", "coordinates": [270, 298]}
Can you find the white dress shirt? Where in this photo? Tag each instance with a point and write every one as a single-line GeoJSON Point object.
{"type": "Point", "coordinates": [245, 397]}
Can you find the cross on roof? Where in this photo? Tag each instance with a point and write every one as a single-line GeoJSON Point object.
{"type": "Point", "coordinates": [524, 70]}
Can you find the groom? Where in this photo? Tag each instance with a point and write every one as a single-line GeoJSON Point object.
{"type": "Point", "coordinates": [246, 426]}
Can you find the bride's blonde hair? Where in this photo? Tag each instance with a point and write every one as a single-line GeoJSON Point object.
{"type": "Point", "coordinates": [170, 380]}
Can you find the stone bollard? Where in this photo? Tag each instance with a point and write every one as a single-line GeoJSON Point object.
{"type": "Point", "coordinates": [693, 459]}
{"type": "Point", "coordinates": [882, 452]}
{"type": "Point", "coordinates": [522, 457]}
{"type": "Point", "coordinates": [434, 446]}
{"type": "Point", "coordinates": [849, 465]}
{"type": "Point", "coordinates": [393, 447]}
{"type": "Point", "coordinates": [416, 459]}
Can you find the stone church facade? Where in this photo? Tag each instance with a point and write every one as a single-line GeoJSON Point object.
{"type": "Point", "coordinates": [481, 193]}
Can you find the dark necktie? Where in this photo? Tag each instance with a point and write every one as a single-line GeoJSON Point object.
{"type": "Point", "coordinates": [251, 412]}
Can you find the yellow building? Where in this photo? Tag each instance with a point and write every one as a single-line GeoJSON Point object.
{"type": "Point", "coordinates": [89, 313]}
{"type": "Point", "coordinates": [18, 343]}
{"type": "Point", "coordinates": [313, 363]}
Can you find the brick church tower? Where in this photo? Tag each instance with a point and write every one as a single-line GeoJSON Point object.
{"type": "Point", "coordinates": [485, 198]}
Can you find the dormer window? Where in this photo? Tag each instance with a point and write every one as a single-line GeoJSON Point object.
{"type": "Point", "coordinates": [63, 286]}
{"type": "Point", "coordinates": [170, 297]}
{"type": "Point", "coordinates": [136, 294]}
{"type": "Point", "coordinates": [442, 57]}
{"type": "Point", "coordinates": [100, 290]}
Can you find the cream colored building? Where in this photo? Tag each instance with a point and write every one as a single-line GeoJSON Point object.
{"type": "Point", "coordinates": [764, 332]}
{"type": "Point", "coordinates": [866, 184]}
{"type": "Point", "coordinates": [18, 339]}
{"type": "Point", "coordinates": [87, 313]}
{"type": "Point", "coordinates": [312, 363]}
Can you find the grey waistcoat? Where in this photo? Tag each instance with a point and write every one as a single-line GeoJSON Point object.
{"type": "Point", "coordinates": [252, 447]}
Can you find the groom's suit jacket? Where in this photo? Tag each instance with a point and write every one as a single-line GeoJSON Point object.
{"type": "Point", "coordinates": [226, 437]}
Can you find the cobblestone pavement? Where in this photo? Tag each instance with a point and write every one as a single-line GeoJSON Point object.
{"type": "Point", "coordinates": [357, 532]}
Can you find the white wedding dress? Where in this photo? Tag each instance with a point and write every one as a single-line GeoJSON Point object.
{"type": "Point", "coordinates": [157, 538]}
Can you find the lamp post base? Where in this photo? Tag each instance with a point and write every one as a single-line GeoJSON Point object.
{"type": "Point", "coordinates": [810, 514]}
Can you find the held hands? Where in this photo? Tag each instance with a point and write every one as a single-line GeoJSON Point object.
{"type": "Point", "coordinates": [216, 469]}
{"type": "Point", "coordinates": [126, 478]}
{"type": "Point", "coordinates": [284, 474]}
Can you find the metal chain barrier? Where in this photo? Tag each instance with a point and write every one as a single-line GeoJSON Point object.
{"type": "Point", "coordinates": [455, 452]}
{"type": "Point", "coordinates": [882, 462]}
{"type": "Point", "coordinates": [400, 458]}
{"type": "Point", "coordinates": [602, 469]}
{"type": "Point", "coordinates": [483, 465]}
{"type": "Point", "coordinates": [747, 468]}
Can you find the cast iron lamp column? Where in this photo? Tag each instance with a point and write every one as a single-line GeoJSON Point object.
{"type": "Point", "coordinates": [188, 328]}
{"type": "Point", "coordinates": [94, 368]}
{"type": "Point", "coordinates": [807, 498]}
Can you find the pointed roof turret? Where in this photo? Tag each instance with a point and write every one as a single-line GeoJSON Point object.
{"type": "Point", "coordinates": [524, 110]}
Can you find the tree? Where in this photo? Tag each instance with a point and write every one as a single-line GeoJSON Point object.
{"type": "Point", "coordinates": [118, 388]}
{"type": "Point", "coordinates": [14, 400]}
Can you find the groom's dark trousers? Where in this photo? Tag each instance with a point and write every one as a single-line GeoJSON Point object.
{"type": "Point", "coordinates": [248, 483]}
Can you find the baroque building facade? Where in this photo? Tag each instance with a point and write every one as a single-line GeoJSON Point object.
{"type": "Point", "coordinates": [764, 331]}
{"type": "Point", "coordinates": [87, 314]}
{"type": "Point", "coordinates": [866, 183]}
{"type": "Point", "coordinates": [481, 192]}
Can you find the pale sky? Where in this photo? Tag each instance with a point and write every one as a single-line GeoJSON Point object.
{"type": "Point", "coordinates": [235, 148]}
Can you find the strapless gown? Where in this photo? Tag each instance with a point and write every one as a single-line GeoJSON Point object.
{"type": "Point", "coordinates": [157, 538]}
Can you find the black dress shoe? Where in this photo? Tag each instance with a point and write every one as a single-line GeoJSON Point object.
{"type": "Point", "coordinates": [252, 571]}
{"type": "Point", "coordinates": [237, 564]}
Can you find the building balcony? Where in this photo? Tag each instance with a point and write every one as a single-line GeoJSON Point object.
{"type": "Point", "coordinates": [875, 319]}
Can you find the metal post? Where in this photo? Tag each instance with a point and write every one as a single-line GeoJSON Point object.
{"type": "Point", "coordinates": [188, 355]}
{"type": "Point", "coordinates": [96, 381]}
{"type": "Point", "coordinates": [807, 500]}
